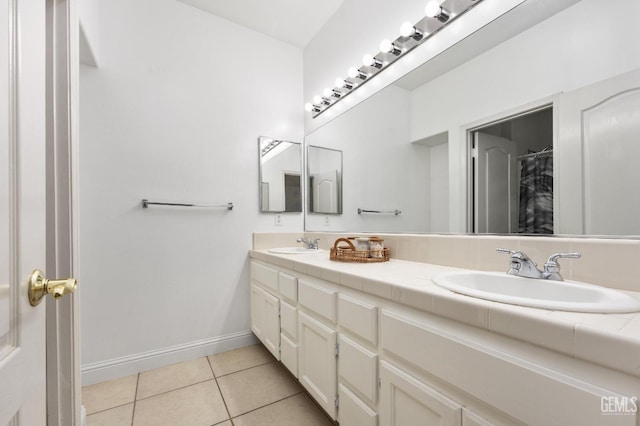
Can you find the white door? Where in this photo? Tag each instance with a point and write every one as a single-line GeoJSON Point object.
{"type": "Point", "coordinates": [496, 185]}
{"type": "Point", "coordinates": [22, 210]}
{"type": "Point", "coordinates": [325, 192]}
{"type": "Point", "coordinates": [597, 158]}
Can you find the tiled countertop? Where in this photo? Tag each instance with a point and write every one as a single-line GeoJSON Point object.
{"type": "Point", "coordinates": [611, 340]}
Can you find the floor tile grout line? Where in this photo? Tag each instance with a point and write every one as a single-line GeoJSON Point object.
{"type": "Point", "coordinates": [135, 398]}
{"type": "Point", "coordinates": [178, 388]}
{"type": "Point", "coordinates": [220, 390]}
{"type": "Point", "coordinates": [266, 405]}
{"type": "Point", "coordinates": [110, 408]}
{"type": "Point", "coordinates": [245, 369]}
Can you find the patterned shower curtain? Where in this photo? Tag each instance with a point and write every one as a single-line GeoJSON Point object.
{"type": "Point", "coordinates": [536, 196]}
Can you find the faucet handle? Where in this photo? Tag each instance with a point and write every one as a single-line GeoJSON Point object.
{"type": "Point", "coordinates": [515, 254]}
{"type": "Point", "coordinates": [554, 257]}
{"type": "Point", "coordinates": [504, 250]}
{"type": "Point", "coordinates": [552, 267]}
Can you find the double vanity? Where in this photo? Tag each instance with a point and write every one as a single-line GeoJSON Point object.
{"type": "Point", "coordinates": [383, 344]}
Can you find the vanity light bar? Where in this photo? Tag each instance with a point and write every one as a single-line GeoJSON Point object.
{"type": "Point", "coordinates": [411, 36]}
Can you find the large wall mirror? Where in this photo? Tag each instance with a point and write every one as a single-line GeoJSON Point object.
{"type": "Point", "coordinates": [536, 135]}
{"type": "Point", "coordinates": [280, 175]}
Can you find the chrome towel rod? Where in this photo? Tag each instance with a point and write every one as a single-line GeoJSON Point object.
{"type": "Point", "coordinates": [395, 212]}
{"type": "Point", "coordinates": [146, 203]}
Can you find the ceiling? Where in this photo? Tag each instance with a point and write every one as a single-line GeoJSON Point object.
{"type": "Point", "coordinates": [293, 21]}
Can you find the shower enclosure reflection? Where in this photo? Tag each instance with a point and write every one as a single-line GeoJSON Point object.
{"type": "Point", "coordinates": [512, 169]}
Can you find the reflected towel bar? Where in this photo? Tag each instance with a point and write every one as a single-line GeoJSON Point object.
{"type": "Point", "coordinates": [146, 203]}
{"type": "Point", "coordinates": [395, 212]}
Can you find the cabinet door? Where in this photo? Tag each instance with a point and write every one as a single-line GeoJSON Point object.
{"type": "Point", "coordinates": [317, 362]}
{"type": "Point", "coordinates": [358, 367]}
{"type": "Point", "coordinates": [271, 328]}
{"type": "Point", "coordinates": [353, 411]}
{"type": "Point", "coordinates": [405, 400]}
{"type": "Point", "coordinates": [257, 310]}
{"type": "Point", "coordinates": [469, 418]}
{"type": "Point", "coordinates": [289, 354]}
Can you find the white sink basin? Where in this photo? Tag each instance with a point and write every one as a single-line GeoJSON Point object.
{"type": "Point", "coordinates": [537, 293]}
{"type": "Point", "coordinates": [295, 250]}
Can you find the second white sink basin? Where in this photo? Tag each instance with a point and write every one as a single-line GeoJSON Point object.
{"type": "Point", "coordinates": [294, 250]}
{"type": "Point", "coordinates": [537, 293]}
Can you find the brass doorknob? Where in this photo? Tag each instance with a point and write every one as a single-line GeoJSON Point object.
{"type": "Point", "coordinates": [39, 287]}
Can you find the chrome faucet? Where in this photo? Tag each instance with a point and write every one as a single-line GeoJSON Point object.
{"type": "Point", "coordinates": [522, 266]}
{"type": "Point", "coordinates": [309, 243]}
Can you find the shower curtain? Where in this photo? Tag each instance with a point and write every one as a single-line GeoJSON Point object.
{"type": "Point", "coordinates": [536, 196]}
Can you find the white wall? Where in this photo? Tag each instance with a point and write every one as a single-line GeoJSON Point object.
{"type": "Point", "coordinates": [89, 17]}
{"type": "Point", "coordinates": [173, 113]}
{"type": "Point", "coordinates": [439, 188]}
{"type": "Point", "coordinates": [574, 48]}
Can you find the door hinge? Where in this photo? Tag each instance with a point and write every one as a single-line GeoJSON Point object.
{"type": "Point", "coordinates": [379, 382]}
{"type": "Point", "coordinates": [336, 350]}
{"type": "Point", "coordinates": [337, 401]}
{"type": "Point", "coordinates": [474, 152]}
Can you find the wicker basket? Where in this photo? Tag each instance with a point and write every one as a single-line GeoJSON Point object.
{"type": "Point", "coordinates": [349, 253]}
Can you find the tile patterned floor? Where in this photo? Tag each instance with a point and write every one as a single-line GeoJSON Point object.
{"type": "Point", "coordinates": [243, 387]}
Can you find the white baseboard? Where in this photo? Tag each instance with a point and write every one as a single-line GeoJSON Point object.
{"type": "Point", "coordinates": [131, 364]}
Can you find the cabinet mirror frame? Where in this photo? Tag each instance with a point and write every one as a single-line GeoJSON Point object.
{"type": "Point", "coordinates": [280, 175]}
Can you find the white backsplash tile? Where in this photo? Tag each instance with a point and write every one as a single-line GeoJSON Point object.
{"type": "Point", "coordinates": [606, 262]}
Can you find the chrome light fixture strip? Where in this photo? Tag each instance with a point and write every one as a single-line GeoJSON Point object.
{"type": "Point", "coordinates": [423, 30]}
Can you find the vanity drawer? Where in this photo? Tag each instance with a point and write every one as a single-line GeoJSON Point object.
{"type": "Point", "coordinates": [289, 319]}
{"type": "Point", "coordinates": [289, 354]}
{"type": "Point", "coordinates": [358, 317]}
{"type": "Point", "coordinates": [318, 299]}
{"type": "Point", "coordinates": [358, 367]}
{"type": "Point", "coordinates": [288, 286]}
{"type": "Point", "coordinates": [264, 275]}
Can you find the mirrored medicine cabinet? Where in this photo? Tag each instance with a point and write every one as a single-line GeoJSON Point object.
{"type": "Point", "coordinates": [280, 175]}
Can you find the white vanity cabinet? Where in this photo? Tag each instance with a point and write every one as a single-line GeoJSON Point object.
{"type": "Point", "coordinates": [368, 361]}
{"type": "Point", "coordinates": [288, 287]}
{"type": "Point", "coordinates": [403, 399]}
{"type": "Point", "coordinates": [274, 312]}
{"type": "Point", "coordinates": [357, 361]}
{"type": "Point", "coordinates": [317, 342]}
{"type": "Point", "coordinates": [265, 319]}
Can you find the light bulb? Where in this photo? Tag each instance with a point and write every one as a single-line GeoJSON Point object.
{"type": "Point", "coordinates": [353, 72]}
{"type": "Point", "coordinates": [389, 47]}
{"type": "Point", "coordinates": [368, 60]}
{"type": "Point", "coordinates": [406, 29]}
{"type": "Point", "coordinates": [339, 82]}
{"type": "Point", "coordinates": [327, 92]}
{"type": "Point", "coordinates": [317, 99]}
{"type": "Point", "coordinates": [432, 9]}
{"type": "Point", "coordinates": [308, 107]}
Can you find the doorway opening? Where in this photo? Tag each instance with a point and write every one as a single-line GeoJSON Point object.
{"type": "Point", "coordinates": [512, 174]}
